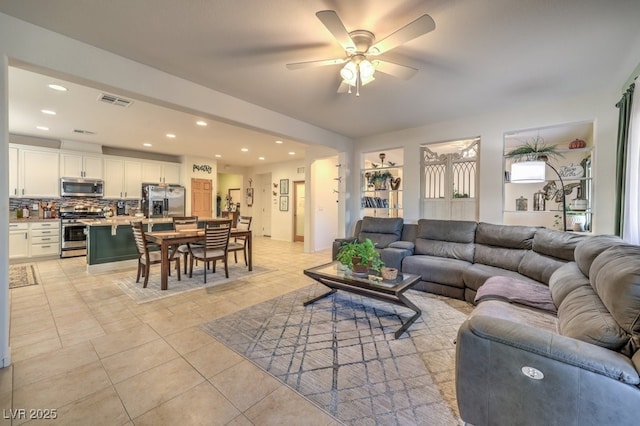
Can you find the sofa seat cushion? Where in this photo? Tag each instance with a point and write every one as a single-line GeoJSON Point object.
{"type": "Point", "coordinates": [436, 269]}
{"type": "Point", "coordinates": [564, 280]}
{"type": "Point", "coordinates": [505, 258]}
{"type": "Point", "coordinates": [519, 292]}
{"type": "Point", "coordinates": [381, 230]}
{"type": "Point", "coordinates": [517, 313]}
{"type": "Point", "coordinates": [583, 316]}
{"type": "Point", "coordinates": [476, 275]}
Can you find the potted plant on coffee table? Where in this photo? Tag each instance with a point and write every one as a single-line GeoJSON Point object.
{"type": "Point", "coordinates": [360, 256]}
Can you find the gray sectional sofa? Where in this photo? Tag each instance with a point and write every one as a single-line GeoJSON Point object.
{"type": "Point", "coordinates": [555, 333]}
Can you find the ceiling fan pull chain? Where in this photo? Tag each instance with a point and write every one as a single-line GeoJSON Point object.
{"type": "Point", "coordinates": [358, 79]}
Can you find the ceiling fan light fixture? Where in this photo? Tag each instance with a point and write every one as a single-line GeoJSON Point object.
{"type": "Point", "coordinates": [366, 70]}
{"type": "Point", "coordinates": [348, 72]}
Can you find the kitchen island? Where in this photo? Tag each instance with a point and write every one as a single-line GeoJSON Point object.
{"type": "Point", "coordinates": [110, 243]}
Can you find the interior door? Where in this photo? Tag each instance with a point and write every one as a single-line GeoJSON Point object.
{"type": "Point", "coordinates": [201, 197]}
{"type": "Point", "coordinates": [298, 210]}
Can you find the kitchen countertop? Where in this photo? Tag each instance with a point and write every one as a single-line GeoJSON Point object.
{"type": "Point", "coordinates": [32, 220]}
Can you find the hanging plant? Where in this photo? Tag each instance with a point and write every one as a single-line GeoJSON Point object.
{"type": "Point", "coordinates": [534, 150]}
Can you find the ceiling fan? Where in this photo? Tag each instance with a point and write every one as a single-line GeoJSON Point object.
{"type": "Point", "coordinates": [361, 51]}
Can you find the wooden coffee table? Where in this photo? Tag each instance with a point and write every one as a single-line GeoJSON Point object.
{"type": "Point", "coordinates": [386, 291]}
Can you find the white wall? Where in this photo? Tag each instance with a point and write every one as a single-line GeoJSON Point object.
{"type": "Point", "coordinates": [598, 107]}
{"type": "Point", "coordinates": [5, 350]}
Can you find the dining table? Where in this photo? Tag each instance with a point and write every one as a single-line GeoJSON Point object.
{"type": "Point", "coordinates": [173, 238]}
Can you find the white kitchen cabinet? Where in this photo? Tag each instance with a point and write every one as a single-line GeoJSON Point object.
{"type": "Point", "coordinates": [44, 238]}
{"type": "Point", "coordinates": [122, 178]}
{"type": "Point", "coordinates": [80, 165]}
{"type": "Point", "coordinates": [160, 172]}
{"type": "Point", "coordinates": [13, 171]}
{"type": "Point", "coordinates": [18, 240]}
{"type": "Point", "coordinates": [38, 173]}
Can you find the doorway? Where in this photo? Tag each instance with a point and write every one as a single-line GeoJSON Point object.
{"type": "Point", "coordinates": [201, 197]}
{"type": "Point", "coordinates": [298, 210]}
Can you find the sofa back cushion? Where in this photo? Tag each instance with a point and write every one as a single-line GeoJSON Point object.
{"type": "Point", "coordinates": [556, 243]}
{"type": "Point", "coordinates": [381, 230]}
{"type": "Point", "coordinates": [502, 246]}
{"type": "Point", "coordinates": [615, 277]}
{"type": "Point", "coordinates": [446, 238]}
{"type": "Point", "coordinates": [588, 249]}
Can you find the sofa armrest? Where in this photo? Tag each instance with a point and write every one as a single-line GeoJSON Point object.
{"type": "Point", "coordinates": [393, 256]}
{"type": "Point", "coordinates": [556, 347]}
{"type": "Point", "coordinates": [497, 380]}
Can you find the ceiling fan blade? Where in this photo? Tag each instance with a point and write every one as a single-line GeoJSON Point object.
{"type": "Point", "coordinates": [415, 29]}
{"type": "Point", "coordinates": [335, 26]}
{"type": "Point", "coordinates": [311, 64]}
{"type": "Point", "coordinates": [401, 71]}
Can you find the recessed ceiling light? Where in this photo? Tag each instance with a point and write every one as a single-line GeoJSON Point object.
{"type": "Point", "coordinates": [279, 142]}
{"type": "Point", "coordinates": [147, 144]}
{"type": "Point", "coordinates": [218, 155]}
{"type": "Point", "coordinates": [42, 128]}
{"type": "Point", "coordinates": [48, 112]}
{"type": "Point", "coordinates": [57, 87]}
{"type": "Point", "coordinates": [171, 135]}
{"type": "Point", "coordinates": [244, 149]}
{"type": "Point", "coordinates": [260, 158]}
{"type": "Point", "coordinates": [201, 123]}
{"type": "Point", "coordinates": [292, 153]}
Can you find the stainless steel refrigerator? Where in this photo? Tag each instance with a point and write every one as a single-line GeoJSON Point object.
{"type": "Point", "coordinates": [162, 200]}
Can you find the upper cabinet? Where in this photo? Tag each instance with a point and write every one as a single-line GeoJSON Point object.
{"type": "Point", "coordinates": [38, 173]}
{"type": "Point", "coordinates": [539, 203]}
{"type": "Point", "coordinates": [80, 165]}
{"type": "Point", "coordinates": [122, 178]}
{"type": "Point", "coordinates": [13, 172]}
{"type": "Point", "coordinates": [160, 172]}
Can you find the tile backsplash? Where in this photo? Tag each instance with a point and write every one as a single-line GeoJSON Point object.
{"type": "Point", "coordinates": [15, 203]}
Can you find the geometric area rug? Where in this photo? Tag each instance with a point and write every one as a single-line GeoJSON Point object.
{"type": "Point", "coordinates": [340, 353]}
{"type": "Point", "coordinates": [22, 275]}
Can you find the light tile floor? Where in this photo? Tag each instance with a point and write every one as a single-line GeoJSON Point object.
{"type": "Point", "coordinates": [82, 347]}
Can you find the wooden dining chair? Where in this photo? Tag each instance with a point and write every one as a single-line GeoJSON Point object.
{"type": "Point", "coordinates": [147, 258]}
{"type": "Point", "coordinates": [216, 243]}
{"type": "Point", "coordinates": [240, 243]}
{"type": "Point", "coordinates": [180, 223]}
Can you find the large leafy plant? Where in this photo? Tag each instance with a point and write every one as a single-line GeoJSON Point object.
{"type": "Point", "coordinates": [533, 150]}
{"type": "Point", "coordinates": [365, 251]}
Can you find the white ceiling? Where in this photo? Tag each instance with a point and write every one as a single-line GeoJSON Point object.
{"type": "Point", "coordinates": [484, 55]}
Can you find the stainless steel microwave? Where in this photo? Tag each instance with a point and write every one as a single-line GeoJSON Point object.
{"type": "Point", "coordinates": [78, 187]}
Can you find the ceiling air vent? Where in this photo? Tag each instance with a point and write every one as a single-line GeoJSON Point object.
{"type": "Point", "coordinates": [114, 100]}
{"type": "Point", "coordinates": [83, 132]}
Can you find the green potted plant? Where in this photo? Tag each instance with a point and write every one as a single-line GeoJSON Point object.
{"type": "Point", "coordinates": [534, 150]}
{"type": "Point", "coordinates": [379, 178]}
{"type": "Point", "coordinates": [360, 256]}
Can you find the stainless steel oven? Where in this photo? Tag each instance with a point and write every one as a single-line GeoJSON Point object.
{"type": "Point", "coordinates": [74, 238]}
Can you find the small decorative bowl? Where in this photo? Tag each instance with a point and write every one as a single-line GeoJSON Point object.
{"type": "Point", "coordinates": [389, 273]}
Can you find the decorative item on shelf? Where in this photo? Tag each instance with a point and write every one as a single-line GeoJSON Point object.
{"type": "Point", "coordinates": [572, 171]}
{"type": "Point", "coordinates": [578, 223]}
{"type": "Point", "coordinates": [534, 172]}
{"type": "Point", "coordinates": [579, 203]}
{"type": "Point", "coordinates": [395, 183]}
{"type": "Point", "coordinates": [360, 256]}
{"type": "Point", "coordinates": [539, 201]}
{"type": "Point", "coordinates": [379, 179]}
{"type": "Point", "coordinates": [534, 150]}
{"type": "Point", "coordinates": [577, 144]}
{"type": "Point", "coordinates": [382, 156]}
{"type": "Point", "coordinates": [522, 204]}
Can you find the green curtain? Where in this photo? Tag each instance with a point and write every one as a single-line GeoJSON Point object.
{"type": "Point", "coordinates": [621, 157]}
